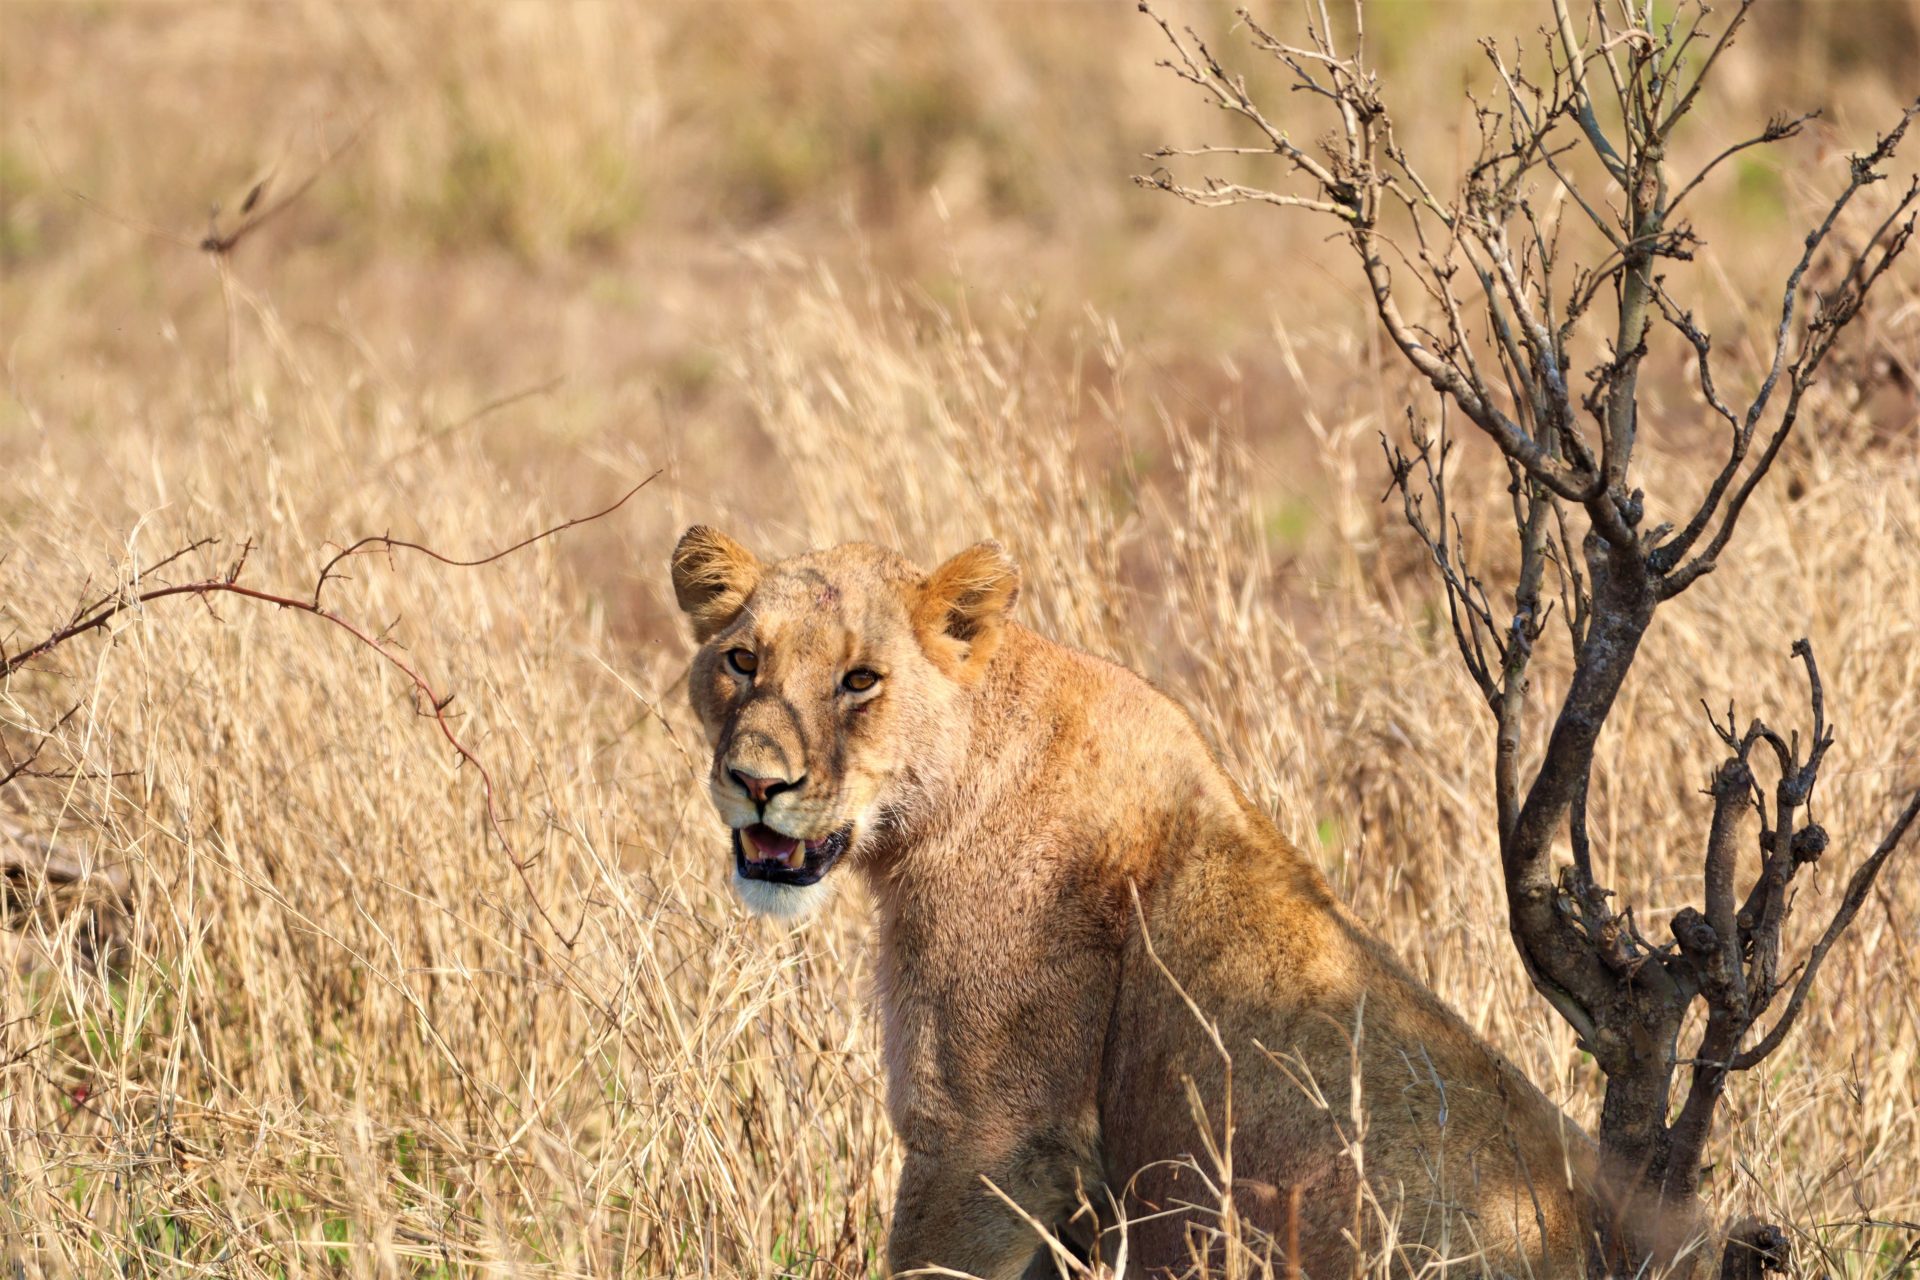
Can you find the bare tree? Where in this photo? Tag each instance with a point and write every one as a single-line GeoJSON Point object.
{"type": "Point", "coordinates": [1513, 298]}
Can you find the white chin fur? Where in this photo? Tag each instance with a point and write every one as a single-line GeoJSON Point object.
{"type": "Point", "coordinates": [782, 901]}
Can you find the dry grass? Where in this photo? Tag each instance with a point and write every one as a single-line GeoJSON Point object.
{"type": "Point", "coordinates": [843, 274]}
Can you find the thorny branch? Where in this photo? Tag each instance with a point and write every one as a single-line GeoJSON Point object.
{"type": "Point", "coordinates": [1511, 305]}
{"type": "Point", "coordinates": [96, 616]}
{"type": "Point", "coordinates": [328, 570]}
{"type": "Point", "coordinates": [23, 767]}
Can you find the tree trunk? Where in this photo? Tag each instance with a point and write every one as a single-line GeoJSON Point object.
{"type": "Point", "coordinates": [1651, 1214]}
{"type": "Point", "coordinates": [1753, 1249]}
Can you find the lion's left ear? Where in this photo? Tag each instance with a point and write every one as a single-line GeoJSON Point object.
{"type": "Point", "coordinates": [963, 607]}
{"type": "Point", "coordinates": [712, 577]}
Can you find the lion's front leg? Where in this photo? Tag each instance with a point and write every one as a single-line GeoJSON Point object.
{"type": "Point", "coordinates": [946, 1216]}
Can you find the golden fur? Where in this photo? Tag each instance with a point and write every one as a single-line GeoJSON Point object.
{"type": "Point", "coordinates": [1019, 811]}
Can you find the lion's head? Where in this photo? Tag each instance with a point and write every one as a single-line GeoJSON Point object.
{"type": "Point", "coordinates": [830, 686]}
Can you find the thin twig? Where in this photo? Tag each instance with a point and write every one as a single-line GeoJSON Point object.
{"type": "Point", "coordinates": [383, 540]}
{"type": "Point", "coordinates": [228, 584]}
{"type": "Point", "coordinates": [1858, 886]}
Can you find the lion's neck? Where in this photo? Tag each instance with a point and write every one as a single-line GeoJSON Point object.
{"type": "Point", "coordinates": [1080, 786]}
{"type": "Point", "coordinates": [1080, 782]}
{"type": "Point", "coordinates": [1005, 904]}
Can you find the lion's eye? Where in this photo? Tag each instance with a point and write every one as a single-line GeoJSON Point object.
{"type": "Point", "coordinates": [744, 661]}
{"type": "Point", "coordinates": [859, 680]}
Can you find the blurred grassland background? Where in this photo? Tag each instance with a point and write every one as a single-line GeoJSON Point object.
{"type": "Point", "coordinates": [836, 271]}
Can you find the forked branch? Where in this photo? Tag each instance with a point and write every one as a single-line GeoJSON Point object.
{"type": "Point", "coordinates": [1504, 330]}
{"type": "Point", "coordinates": [97, 616]}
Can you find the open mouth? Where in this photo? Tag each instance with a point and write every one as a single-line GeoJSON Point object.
{"type": "Point", "coordinates": [761, 853]}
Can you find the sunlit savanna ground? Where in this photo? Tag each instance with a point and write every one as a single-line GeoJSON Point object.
{"type": "Point", "coordinates": [834, 272]}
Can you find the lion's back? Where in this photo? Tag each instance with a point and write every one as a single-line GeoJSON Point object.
{"type": "Point", "coordinates": [1459, 1150]}
{"type": "Point", "coordinates": [1114, 778]}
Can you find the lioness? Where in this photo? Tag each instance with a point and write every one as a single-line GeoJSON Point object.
{"type": "Point", "coordinates": [1059, 864]}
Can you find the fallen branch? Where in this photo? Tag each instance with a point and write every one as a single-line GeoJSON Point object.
{"type": "Point", "coordinates": [229, 584]}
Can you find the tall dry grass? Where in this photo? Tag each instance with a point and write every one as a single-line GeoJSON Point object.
{"type": "Point", "coordinates": [894, 288]}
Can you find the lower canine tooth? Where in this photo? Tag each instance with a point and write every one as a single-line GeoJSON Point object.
{"type": "Point", "coordinates": [798, 858]}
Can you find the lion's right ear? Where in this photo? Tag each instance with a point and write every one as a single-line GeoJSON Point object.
{"type": "Point", "coordinates": [712, 577]}
{"type": "Point", "coordinates": [963, 609]}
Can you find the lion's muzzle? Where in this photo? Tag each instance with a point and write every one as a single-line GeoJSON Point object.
{"type": "Point", "coordinates": [761, 853]}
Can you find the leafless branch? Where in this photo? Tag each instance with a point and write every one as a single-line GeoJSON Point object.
{"type": "Point", "coordinates": [327, 570]}
{"type": "Point", "coordinates": [435, 703]}
{"type": "Point", "coordinates": [1863, 171]}
{"type": "Point", "coordinates": [1858, 886]}
{"type": "Point", "coordinates": [1503, 354]}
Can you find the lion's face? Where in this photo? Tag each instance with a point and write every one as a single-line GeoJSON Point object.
{"type": "Point", "coordinates": [828, 687]}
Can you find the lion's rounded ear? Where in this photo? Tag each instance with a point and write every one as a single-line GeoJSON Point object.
{"type": "Point", "coordinates": [963, 607]}
{"type": "Point", "coordinates": [712, 577]}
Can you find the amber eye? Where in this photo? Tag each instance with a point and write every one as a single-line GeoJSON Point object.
{"type": "Point", "coordinates": [859, 680]}
{"type": "Point", "coordinates": [744, 661]}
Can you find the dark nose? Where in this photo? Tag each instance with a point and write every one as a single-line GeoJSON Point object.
{"type": "Point", "coordinates": [765, 789]}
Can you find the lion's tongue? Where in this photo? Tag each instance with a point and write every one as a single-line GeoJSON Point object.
{"type": "Point", "coordinates": [767, 845]}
